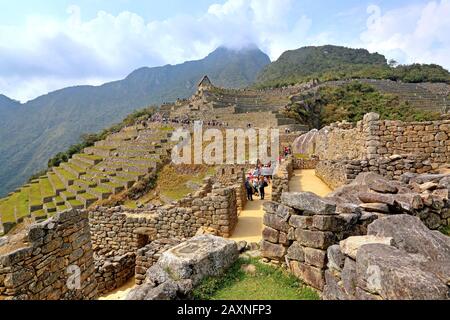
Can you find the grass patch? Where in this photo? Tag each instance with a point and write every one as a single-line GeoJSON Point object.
{"type": "Point", "coordinates": [267, 283]}
{"type": "Point", "coordinates": [173, 180]}
{"type": "Point", "coordinates": [445, 230]}
{"type": "Point", "coordinates": [46, 188]}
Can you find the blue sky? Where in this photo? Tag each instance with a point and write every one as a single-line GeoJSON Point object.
{"type": "Point", "coordinates": [49, 44]}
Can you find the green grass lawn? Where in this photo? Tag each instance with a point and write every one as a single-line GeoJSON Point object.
{"type": "Point", "coordinates": [267, 283]}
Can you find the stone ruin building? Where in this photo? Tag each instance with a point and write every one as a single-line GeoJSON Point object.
{"type": "Point", "coordinates": [374, 237]}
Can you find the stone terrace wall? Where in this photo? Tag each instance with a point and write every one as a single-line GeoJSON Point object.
{"type": "Point", "coordinates": [45, 269]}
{"type": "Point", "coordinates": [280, 181]}
{"type": "Point", "coordinates": [150, 254]}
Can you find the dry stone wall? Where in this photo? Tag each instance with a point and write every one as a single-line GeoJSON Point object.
{"type": "Point", "coordinates": [113, 272]}
{"type": "Point", "coordinates": [280, 180]}
{"type": "Point", "coordinates": [299, 230]}
{"type": "Point", "coordinates": [123, 231]}
{"type": "Point", "coordinates": [56, 263]}
{"type": "Point", "coordinates": [430, 139]}
{"type": "Point", "coordinates": [150, 254]}
{"type": "Point", "coordinates": [338, 173]}
{"type": "Point", "coordinates": [341, 141]}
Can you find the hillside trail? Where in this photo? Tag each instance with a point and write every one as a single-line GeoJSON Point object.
{"type": "Point", "coordinates": [250, 223]}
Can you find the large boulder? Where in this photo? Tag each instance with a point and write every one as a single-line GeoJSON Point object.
{"type": "Point", "coordinates": [308, 202]}
{"type": "Point", "coordinates": [412, 236]}
{"type": "Point", "coordinates": [184, 266]}
{"type": "Point", "coordinates": [351, 245]}
{"type": "Point", "coordinates": [394, 274]}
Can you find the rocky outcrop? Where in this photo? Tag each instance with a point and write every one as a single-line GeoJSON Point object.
{"type": "Point", "coordinates": [406, 261]}
{"type": "Point", "coordinates": [425, 196]}
{"type": "Point", "coordinates": [183, 267]}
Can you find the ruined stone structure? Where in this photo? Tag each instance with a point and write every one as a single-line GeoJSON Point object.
{"type": "Point", "coordinates": [55, 261]}
{"type": "Point", "coordinates": [381, 172]}
{"type": "Point", "coordinates": [302, 227]}
{"type": "Point", "coordinates": [390, 148]}
{"type": "Point", "coordinates": [182, 267]}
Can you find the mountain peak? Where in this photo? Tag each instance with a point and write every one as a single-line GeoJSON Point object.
{"type": "Point", "coordinates": [7, 102]}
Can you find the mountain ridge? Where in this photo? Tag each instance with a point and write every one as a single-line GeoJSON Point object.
{"type": "Point", "coordinates": [36, 130]}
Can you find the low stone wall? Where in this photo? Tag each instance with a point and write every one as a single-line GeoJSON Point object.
{"type": "Point", "coordinates": [113, 272]}
{"type": "Point", "coordinates": [333, 173]}
{"type": "Point", "coordinates": [338, 173]}
{"type": "Point", "coordinates": [150, 254]}
{"type": "Point", "coordinates": [280, 181]}
{"type": "Point", "coordinates": [123, 231]}
{"type": "Point", "coordinates": [234, 176]}
{"type": "Point", "coordinates": [299, 230]}
{"type": "Point", "coordinates": [56, 262]}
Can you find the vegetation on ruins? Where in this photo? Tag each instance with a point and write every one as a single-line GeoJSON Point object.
{"type": "Point", "coordinates": [329, 63]}
{"type": "Point", "coordinates": [265, 283]}
{"type": "Point", "coordinates": [350, 102]}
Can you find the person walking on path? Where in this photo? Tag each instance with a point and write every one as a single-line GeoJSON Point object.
{"type": "Point", "coordinates": [262, 184]}
{"type": "Point", "coordinates": [249, 189]}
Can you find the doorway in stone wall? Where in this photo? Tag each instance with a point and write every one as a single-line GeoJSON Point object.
{"type": "Point", "coordinates": [142, 240]}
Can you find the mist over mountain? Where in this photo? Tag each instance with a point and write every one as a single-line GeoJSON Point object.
{"type": "Point", "coordinates": [33, 132]}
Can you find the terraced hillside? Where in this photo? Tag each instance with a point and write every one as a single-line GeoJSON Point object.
{"type": "Point", "coordinates": [110, 167]}
{"type": "Point", "coordinates": [426, 96]}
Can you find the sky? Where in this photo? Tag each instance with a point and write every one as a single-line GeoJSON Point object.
{"type": "Point", "coordinates": [47, 45]}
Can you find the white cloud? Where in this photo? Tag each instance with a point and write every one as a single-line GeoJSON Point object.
{"type": "Point", "coordinates": [416, 33]}
{"type": "Point", "coordinates": [46, 53]}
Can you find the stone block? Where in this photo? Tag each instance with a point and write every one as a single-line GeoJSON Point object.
{"type": "Point", "coordinates": [271, 250]}
{"type": "Point", "coordinates": [270, 235]}
{"type": "Point", "coordinates": [315, 257]}
{"type": "Point", "coordinates": [275, 222]}
{"type": "Point", "coordinates": [310, 275]}
{"type": "Point", "coordinates": [315, 239]}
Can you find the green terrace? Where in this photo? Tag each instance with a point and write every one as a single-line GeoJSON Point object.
{"type": "Point", "coordinates": [88, 177]}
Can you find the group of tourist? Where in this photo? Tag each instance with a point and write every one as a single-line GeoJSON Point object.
{"type": "Point", "coordinates": [257, 180]}
{"type": "Point", "coordinates": [159, 118]}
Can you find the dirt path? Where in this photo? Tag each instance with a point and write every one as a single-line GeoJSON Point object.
{"type": "Point", "coordinates": [250, 224]}
{"type": "Point", "coordinates": [306, 180]}
{"type": "Point", "coordinates": [120, 293]}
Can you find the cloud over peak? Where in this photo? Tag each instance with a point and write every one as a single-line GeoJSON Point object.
{"type": "Point", "coordinates": [46, 53]}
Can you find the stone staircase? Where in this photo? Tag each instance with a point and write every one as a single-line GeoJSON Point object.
{"type": "Point", "coordinates": [109, 167]}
